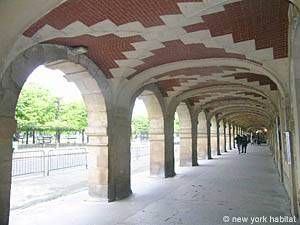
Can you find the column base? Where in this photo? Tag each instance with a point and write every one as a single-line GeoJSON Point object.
{"type": "Point", "coordinates": [185, 163]}
{"type": "Point", "coordinates": [98, 191]}
{"type": "Point", "coordinates": [170, 174]}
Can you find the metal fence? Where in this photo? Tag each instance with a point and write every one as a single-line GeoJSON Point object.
{"type": "Point", "coordinates": [61, 159]}
{"type": "Point", "coordinates": [44, 161]}
{"type": "Point", "coordinates": [29, 162]}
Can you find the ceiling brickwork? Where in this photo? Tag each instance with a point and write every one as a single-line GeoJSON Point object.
{"type": "Point", "coordinates": [127, 38]}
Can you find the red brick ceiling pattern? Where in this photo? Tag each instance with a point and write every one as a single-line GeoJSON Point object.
{"type": "Point", "coordinates": [200, 71]}
{"type": "Point", "coordinates": [103, 50]}
{"type": "Point", "coordinates": [251, 77]}
{"type": "Point", "coordinates": [265, 21]}
{"type": "Point", "coordinates": [219, 100]}
{"type": "Point", "coordinates": [177, 51]}
{"type": "Point", "coordinates": [90, 12]}
{"type": "Point", "coordinates": [168, 85]}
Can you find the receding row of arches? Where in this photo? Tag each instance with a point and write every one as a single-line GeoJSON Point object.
{"type": "Point", "coordinates": [109, 124]}
{"type": "Point", "coordinates": [203, 133]}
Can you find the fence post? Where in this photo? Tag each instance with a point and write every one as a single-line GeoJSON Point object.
{"type": "Point", "coordinates": [48, 162]}
{"type": "Point", "coordinates": [44, 162]}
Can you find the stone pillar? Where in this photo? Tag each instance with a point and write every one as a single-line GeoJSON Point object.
{"type": "Point", "coordinates": [208, 140]}
{"type": "Point", "coordinates": [98, 164]}
{"type": "Point", "coordinates": [157, 146]}
{"type": "Point", "coordinates": [221, 136]}
{"type": "Point", "coordinates": [194, 119]}
{"type": "Point", "coordinates": [202, 136]}
{"type": "Point", "coordinates": [213, 136]}
{"type": "Point", "coordinates": [233, 136]}
{"type": "Point", "coordinates": [98, 156]}
{"type": "Point", "coordinates": [169, 164]}
{"type": "Point", "coordinates": [119, 131]}
{"type": "Point", "coordinates": [185, 134]}
{"type": "Point", "coordinates": [218, 139]}
{"type": "Point", "coordinates": [157, 134]}
{"type": "Point", "coordinates": [97, 131]}
{"type": "Point", "coordinates": [7, 129]}
{"type": "Point", "coordinates": [229, 136]}
{"type": "Point", "coordinates": [225, 142]}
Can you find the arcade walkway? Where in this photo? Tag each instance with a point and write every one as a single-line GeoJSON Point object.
{"type": "Point", "coordinates": [230, 185]}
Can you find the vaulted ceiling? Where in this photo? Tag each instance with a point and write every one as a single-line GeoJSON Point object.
{"type": "Point", "coordinates": [206, 52]}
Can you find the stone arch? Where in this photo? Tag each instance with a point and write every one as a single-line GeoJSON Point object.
{"type": "Point", "coordinates": [213, 135]}
{"type": "Point", "coordinates": [222, 149]}
{"type": "Point", "coordinates": [148, 76]}
{"type": "Point", "coordinates": [95, 91]}
{"type": "Point", "coordinates": [185, 134]}
{"type": "Point", "coordinates": [228, 131]}
{"type": "Point", "coordinates": [156, 132]}
{"type": "Point", "coordinates": [202, 136]}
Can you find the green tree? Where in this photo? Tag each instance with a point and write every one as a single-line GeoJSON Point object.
{"type": "Point", "coordinates": [140, 125]}
{"type": "Point", "coordinates": [38, 110]}
{"type": "Point", "coordinates": [74, 114]}
{"type": "Point", "coordinates": [35, 107]}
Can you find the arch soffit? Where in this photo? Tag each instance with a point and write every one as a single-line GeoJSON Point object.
{"type": "Point", "coordinates": [19, 70]}
{"type": "Point", "coordinates": [145, 76]}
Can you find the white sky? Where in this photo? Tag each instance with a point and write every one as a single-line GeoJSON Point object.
{"type": "Point", "coordinates": [54, 81]}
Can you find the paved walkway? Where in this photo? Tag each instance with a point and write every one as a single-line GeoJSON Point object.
{"type": "Point", "coordinates": [231, 185]}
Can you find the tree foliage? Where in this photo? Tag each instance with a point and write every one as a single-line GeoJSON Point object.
{"type": "Point", "coordinates": [140, 125]}
{"type": "Point", "coordinates": [38, 109]}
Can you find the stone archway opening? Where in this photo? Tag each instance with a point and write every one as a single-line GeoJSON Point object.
{"type": "Point", "coordinates": [50, 156]}
{"type": "Point", "coordinates": [222, 148]}
{"type": "Point", "coordinates": [84, 78]}
{"type": "Point", "coordinates": [140, 145]}
{"type": "Point", "coordinates": [177, 140]}
{"type": "Point", "coordinates": [202, 136]}
{"type": "Point", "coordinates": [185, 135]}
{"type": "Point", "coordinates": [213, 136]}
{"type": "Point", "coordinates": [156, 133]}
{"type": "Point", "coordinates": [147, 151]}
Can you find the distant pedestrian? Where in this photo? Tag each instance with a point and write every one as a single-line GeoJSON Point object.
{"type": "Point", "coordinates": [244, 143]}
{"type": "Point", "coordinates": [238, 140]}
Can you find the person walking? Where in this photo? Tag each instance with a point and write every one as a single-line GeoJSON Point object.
{"type": "Point", "coordinates": [238, 140]}
{"type": "Point", "coordinates": [244, 143]}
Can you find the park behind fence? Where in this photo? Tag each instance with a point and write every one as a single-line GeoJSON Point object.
{"type": "Point", "coordinates": [46, 160]}
{"type": "Point", "coordinates": [43, 161]}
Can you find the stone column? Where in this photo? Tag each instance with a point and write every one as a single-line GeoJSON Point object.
{"type": "Point", "coordinates": [225, 142]}
{"type": "Point", "coordinates": [157, 146]}
{"type": "Point", "coordinates": [169, 164]}
{"type": "Point", "coordinates": [194, 119]}
{"type": "Point", "coordinates": [158, 133]}
{"type": "Point", "coordinates": [97, 131]}
{"type": "Point", "coordinates": [208, 140]}
{"type": "Point", "coordinates": [7, 129]}
{"type": "Point", "coordinates": [98, 164]}
{"type": "Point", "coordinates": [213, 136]}
{"type": "Point", "coordinates": [229, 134]}
{"type": "Point", "coordinates": [233, 136]}
{"type": "Point", "coordinates": [218, 139]}
{"type": "Point", "coordinates": [185, 134]}
{"type": "Point", "coordinates": [227, 137]}
{"type": "Point", "coordinates": [202, 136]}
{"type": "Point", "coordinates": [119, 131]}
{"type": "Point", "coordinates": [221, 136]}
